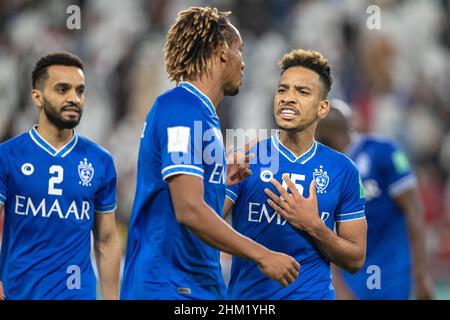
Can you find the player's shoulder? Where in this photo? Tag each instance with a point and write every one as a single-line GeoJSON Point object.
{"type": "Point", "coordinates": [15, 142]}
{"type": "Point", "coordinates": [379, 141]}
{"type": "Point", "coordinates": [177, 100]}
{"type": "Point", "coordinates": [93, 147]}
{"type": "Point", "coordinates": [336, 158]}
{"type": "Point", "coordinates": [332, 155]}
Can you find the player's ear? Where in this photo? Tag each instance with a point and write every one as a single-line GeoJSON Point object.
{"type": "Point", "coordinates": [324, 108]}
{"type": "Point", "coordinates": [223, 52]}
{"type": "Point", "coordinates": [36, 96]}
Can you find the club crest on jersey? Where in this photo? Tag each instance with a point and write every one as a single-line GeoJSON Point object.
{"type": "Point", "coordinates": [86, 172]}
{"type": "Point", "coordinates": [321, 179]}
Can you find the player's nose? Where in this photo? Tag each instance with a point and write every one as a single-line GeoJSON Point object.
{"type": "Point", "coordinates": [73, 97]}
{"type": "Point", "coordinates": [288, 99]}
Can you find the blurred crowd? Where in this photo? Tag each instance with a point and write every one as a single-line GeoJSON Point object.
{"type": "Point", "coordinates": [396, 78]}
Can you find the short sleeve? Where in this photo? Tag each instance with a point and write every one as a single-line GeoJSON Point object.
{"type": "Point", "coordinates": [181, 142]}
{"type": "Point", "coordinates": [232, 192]}
{"type": "Point", "coordinates": [397, 170]}
{"type": "Point", "coordinates": [105, 198]}
{"type": "Point", "coordinates": [3, 176]}
{"type": "Point", "coordinates": [351, 199]}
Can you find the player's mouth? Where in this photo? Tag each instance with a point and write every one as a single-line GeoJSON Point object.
{"type": "Point", "coordinates": [71, 110]}
{"type": "Point", "coordinates": [288, 113]}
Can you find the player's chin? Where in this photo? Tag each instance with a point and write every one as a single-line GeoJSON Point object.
{"type": "Point", "coordinates": [70, 123]}
{"type": "Point", "coordinates": [231, 92]}
{"type": "Point", "coordinates": [286, 125]}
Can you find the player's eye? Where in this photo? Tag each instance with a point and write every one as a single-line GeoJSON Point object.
{"type": "Point", "coordinates": [61, 89]}
{"type": "Point", "coordinates": [80, 91]}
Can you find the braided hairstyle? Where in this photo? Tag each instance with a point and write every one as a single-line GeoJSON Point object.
{"type": "Point", "coordinates": [193, 40]}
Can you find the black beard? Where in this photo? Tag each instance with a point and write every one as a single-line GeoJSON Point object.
{"type": "Point", "coordinates": [56, 118]}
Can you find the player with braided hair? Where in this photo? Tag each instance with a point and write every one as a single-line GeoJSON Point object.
{"type": "Point", "coordinates": [176, 225]}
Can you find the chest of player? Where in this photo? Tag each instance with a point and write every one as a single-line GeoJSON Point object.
{"type": "Point", "coordinates": [255, 200]}
{"type": "Point", "coordinates": [213, 154]}
{"type": "Point", "coordinates": [54, 188]}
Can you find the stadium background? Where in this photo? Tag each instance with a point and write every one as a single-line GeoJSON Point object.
{"type": "Point", "coordinates": [396, 78]}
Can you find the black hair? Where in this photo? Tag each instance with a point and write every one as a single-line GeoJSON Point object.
{"type": "Point", "coordinates": [309, 59]}
{"type": "Point", "coordinates": [40, 73]}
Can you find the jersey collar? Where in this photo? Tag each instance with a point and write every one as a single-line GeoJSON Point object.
{"type": "Point", "coordinates": [302, 159]}
{"type": "Point", "coordinates": [195, 91]}
{"type": "Point", "coordinates": [43, 144]}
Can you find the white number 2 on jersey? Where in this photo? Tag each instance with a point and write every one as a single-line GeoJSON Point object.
{"type": "Point", "coordinates": [58, 178]}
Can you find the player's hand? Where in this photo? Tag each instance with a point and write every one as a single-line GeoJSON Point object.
{"type": "Point", "coordinates": [280, 267]}
{"type": "Point", "coordinates": [423, 287]}
{"type": "Point", "coordinates": [2, 292]}
{"type": "Point", "coordinates": [302, 213]}
{"type": "Point", "coordinates": [238, 166]}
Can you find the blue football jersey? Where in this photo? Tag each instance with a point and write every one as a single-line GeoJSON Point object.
{"type": "Point", "coordinates": [340, 199]}
{"type": "Point", "coordinates": [164, 259]}
{"type": "Point", "coordinates": [50, 198]}
{"type": "Point", "coordinates": [386, 173]}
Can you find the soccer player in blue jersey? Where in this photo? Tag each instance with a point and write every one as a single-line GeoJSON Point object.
{"type": "Point", "coordinates": [293, 205]}
{"type": "Point", "coordinates": [176, 225]}
{"type": "Point", "coordinates": [56, 187]}
{"type": "Point", "coordinates": [396, 255]}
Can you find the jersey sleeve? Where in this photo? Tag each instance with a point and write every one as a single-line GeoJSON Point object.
{"type": "Point", "coordinates": [3, 176]}
{"type": "Point", "coordinates": [397, 170]}
{"type": "Point", "coordinates": [105, 198]}
{"type": "Point", "coordinates": [180, 136]}
{"type": "Point", "coordinates": [232, 192]}
{"type": "Point", "coordinates": [351, 199]}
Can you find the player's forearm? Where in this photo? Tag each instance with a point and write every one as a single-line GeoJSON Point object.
{"type": "Point", "coordinates": [410, 204]}
{"type": "Point", "coordinates": [210, 228]}
{"type": "Point", "coordinates": [342, 252]}
{"type": "Point", "coordinates": [416, 232]}
{"type": "Point", "coordinates": [227, 208]}
{"type": "Point", "coordinates": [343, 292]}
{"type": "Point", "coordinates": [107, 254]}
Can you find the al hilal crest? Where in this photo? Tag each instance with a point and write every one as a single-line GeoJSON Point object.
{"type": "Point", "coordinates": [86, 172]}
{"type": "Point", "coordinates": [321, 179]}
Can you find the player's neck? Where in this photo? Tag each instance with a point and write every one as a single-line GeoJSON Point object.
{"type": "Point", "coordinates": [211, 88]}
{"type": "Point", "coordinates": [297, 142]}
{"type": "Point", "coordinates": [56, 137]}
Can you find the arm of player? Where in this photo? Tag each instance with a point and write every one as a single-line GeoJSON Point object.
{"type": "Point", "coordinates": [410, 204]}
{"type": "Point", "coordinates": [227, 207]}
{"type": "Point", "coordinates": [342, 290]}
{"type": "Point", "coordinates": [187, 197]}
{"type": "Point", "coordinates": [347, 248]}
{"type": "Point", "coordinates": [107, 254]}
